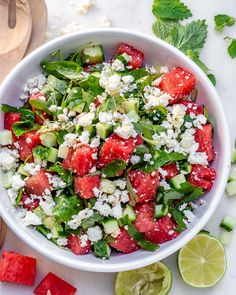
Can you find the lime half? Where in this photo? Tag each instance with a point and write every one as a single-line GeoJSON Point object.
{"type": "Point", "coordinates": [202, 262]}
{"type": "Point", "coordinates": [155, 279]}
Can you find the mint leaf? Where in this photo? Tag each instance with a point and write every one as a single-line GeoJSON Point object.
{"type": "Point", "coordinates": [232, 48]}
{"type": "Point", "coordinates": [190, 37]}
{"type": "Point", "coordinates": [162, 28]}
{"type": "Point", "coordinates": [223, 20]}
{"type": "Point", "coordinates": [114, 168]}
{"type": "Point", "coordinates": [212, 78]}
{"type": "Point", "coordinates": [170, 9]}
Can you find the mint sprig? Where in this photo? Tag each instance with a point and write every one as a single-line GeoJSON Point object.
{"type": "Point", "coordinates": [223, 20]}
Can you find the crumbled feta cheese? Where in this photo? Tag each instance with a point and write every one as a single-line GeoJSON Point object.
{"type": "Point", "coordinates": [165, 184]}
{"type": "Point", "coordinates": [85, 7]}
{"type": "Point", "coordinates": [126, 131]}
{"type": "Point", "coordinates": [62, 118]}
{"type": "Point", "coordinates": [70, 139]}
{"type": "Point", "coordinates": [198, 158]}
{"type": "Point", "coordinates": [84, 137]}
{"type": "Point", "coordinates": [103, 208]}
{"type": "Point", "coordinates": [62, 241]}
{"type": "Point", "coordinates": [12, 194]}
{"type": "Point", "coordinates": [105, 22]}
{"type": "Point", "coordinates": [128, 79]}
{"type": "Point", "coordinates": [105, 117]}
{"type": "Point", "coordinates": [199, 120]}
{"type": "Point", "coordinates": [95, 142]}
{"type": "Point", "coordinates": [31, 219]}
{"type": "Point", "coordinates": [147, 157]}
{"type": "Point", "coordinates": [83, 240]}
{"type": "Point", "coordinates": [189, 215]}
{"type": "Point", "coordinates": [117, 211]}
{"type": "Point", "coordinates": [85, 119]}
{"type": "Point", "coordinates": [183, 206]}
{"type": "Point", "coordinates": [77, 219]}
{"type": "Point", "coordinates": [155, 97]}
{"type": "Point", "coordinates": [164, 69]}
{"type": "Point", "coordinates": [31, 168]}
{"type": "Point", "coordinates": [121, 183]}
{"type": "Point", "coordinates": [47, 205]}
{"type": "Point", "coordinates": [17, 182]}
{"type": "Point", "coordinates": [134, 159]}
{"type": "Point", "coordinates": [94, 233]}
{"type": "Point", "coordinates": [72, 27]}
{"type": "Point", "coordinates": [117, 66]}
{"type": "Point", "coordinates": [8, 159]}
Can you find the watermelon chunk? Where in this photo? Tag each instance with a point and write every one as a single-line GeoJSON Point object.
{"type": "Point", "coordinates": [124, 243]}
{"type": "Point", "coordinates": [202, 176]}
{"type": "Point", "coordinates": [54, 285]}
{"type": "Point", "coordinates": [144, 220]}
{"type": "Point", "coordinates": [84, 185]}
{"type": "Point", "coordinates": [136, 55]}
{"type": "Point", "coordinates": [18, 269]}
{"type": "Point", "coordinates": [204, 138]}
{"type": "Point", "coordinates": [39, 119]}
{"type": "Point", "coordinates": [171, 170]}
{"type": "Point", "coordinates": [37, 184]}
{"type": "Point", "coordinates": [77, 247]}
{"type": "Point", "coordinates": [144, 184]}
{"type": "Point", "coordinates": [27, 142]}
{"type": "Point", "coordinates": [163, 231]}
{"type": "Point", "coordinates": [192, 107]}
{"type": "Point", "coordinates": [29, 203]}
{"type": "Point", "coordinates": [9, 120]}
{"type": "Point", "coordinates": [178, 83]}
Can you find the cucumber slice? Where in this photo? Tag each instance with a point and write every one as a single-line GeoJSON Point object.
{"type": "Point", "coordinates": [225, 237]}
{"type": "Point", "coordinates": [110, 225]}
{"type": "Point", "coordinates": [177, 181]}
{"type": "Point", "coordinates": [102, 249]}
{"type": "Point", "coordinates": [107, 186]}
{"type": "Point", "coordinates": [79, 107]}
{"type": "Point", "coordinates": [22, 171]}
{"type": "Point", "coordinates": [90, 129]}
{"type": "Point", "coordinates": [7, 179]}
{"type": "Point", "coordinates": [52, 155]}
{"type": "Point", "coordinates": [37, 159]}
{"type": "Point", "coordinates": [231, 188]}
{"type": "Point", "coordinates": [130, 105]}
{"type": "Point", "coordinates": [49, 222]}
{"type": "Point", "coordinates": [92, 55]}
{"type": "Point", "coordinates": [232, 175]}
{"type": "Point", "coordinates": [56, 229]}
{"type": "Point", "coordinates": [48, 139]}
{"type": "Point", "coordinates": [6, 137]}
{"type": "Point", "coordinates": [129, 211]}
{"type": "Point", "coordinates": [228, 222]}
{"type": "Point", "coordinates": [161, 210]}
{"type": "Point", "coordinates": [103, 130]}
{"type": "Point", "coordinates": [63, 151]}
{"type": "Point", "coordinates": [40, 213]}
{"type": "Point", "coordinates": [233, 156]}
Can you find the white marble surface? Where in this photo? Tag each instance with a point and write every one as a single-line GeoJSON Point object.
{"type": "Point", "coordinates": [136, 14]}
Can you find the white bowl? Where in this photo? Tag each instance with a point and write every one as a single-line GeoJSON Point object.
{"type": "Point", "coordinates": [156, 52]}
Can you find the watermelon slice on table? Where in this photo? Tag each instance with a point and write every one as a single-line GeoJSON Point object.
{"type": "Point", "coordinates": [27, 142]}
{"type": "Point", "coordinates": [136, 56]}
{"type": "Point", "coordinates": [163, 231]}
{"type": "Point", "coordinates": [124, 243]}
{"type": "Point", "coordinates": [204, 138]}
{"type": "Point", "coordinates": [18, 269]}
{"type": "Point", "coordinates": [80, 159]}
{"type": "Point", "coordinates": [77, 247]}
{"type": "Point", "coordinates": [144, 220]}
{"type": "Point", "coordinates": [37, 184]}
{"type": "Point", "coordinates": [144, 184]}
{"type": "Point", "coordinates": [85, 185]}
{"type": "Point", "coordinates": [202, 176]}
{"type": "Point", "coordinates": [178, 83]}
{"type": "Point", "coordinates": [54, 285]}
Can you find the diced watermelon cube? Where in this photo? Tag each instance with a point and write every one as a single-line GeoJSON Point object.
{"type": "Point", "coordinates": [178, 83]}
{"type": "Point", "coordinates": [18, 269]}
{"type": "Point", "coordinates": [37, 184]}
{"type": "Point", "coordinates": [116, 148]}
{"type": "Point", "coordinates": [144, 220]}
{"type": "Point", "coordinates": [80, 159]}
{"type": "Point", "coordinates": [144, 184]}
{"type": "Point", "coordinates": [171, 170]}
{"type": "Point", "coordinates": [76, 245]}
{"type": "Point", "coordinates": [27, 142]}
{"type": "Point", "coordinates": [9, 120]}
{"type": "Point", "coordinates": [192, 107]}
{"type": "Point", "coordinates": [124, 243]}
{"type": "Point", "coordinates": [136, 55]}
{"type": "Point", "coordinates": [39, 119]}
{"type": "Point", "coordinates": [204, 138]}
{"type": "Point", "coordinates": [84, 185]}
{"type": "Point", "coordinates": [163, 231]}
{"type": "Point", "coordinates": [202, 176]}
{"type": "Point", "coordinates": [29, 203]}
{"type": "Point", "coordinates": [54, 285]}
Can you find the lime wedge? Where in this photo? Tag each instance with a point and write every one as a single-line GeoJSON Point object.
{"type": "Point", "coordinates": [150, 280]}
{"type": "Point", "coordinates": [202, 262]}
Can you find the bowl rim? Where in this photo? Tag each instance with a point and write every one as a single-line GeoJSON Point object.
{"type": "Point", "coordinates": [154, 256]}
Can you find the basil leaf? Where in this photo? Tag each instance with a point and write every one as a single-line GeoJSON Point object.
{"type": "Point", "coordinates": [113, 168]}
{"type": "Point", "coordinates": [140, 239]}
{"type": "Point", "coordinates": [90, 221]}
{"type": "Point", "coordinates": [147, 129]}
{"type": "Point", "coordinates": [21, 127]}
{"type": "Point", "coordinates": [66, 207]}
{"type": "Point", "coordinates": [101, 249]}
{"type": "Point", "coordinates": [65, 175]}
{"type": "Point", "coordinates": [179, 218]}
{"type": "Point", "coordinates": [63, 69]}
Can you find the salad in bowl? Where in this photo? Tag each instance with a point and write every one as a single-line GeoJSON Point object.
{"type": "Point", "coordinates": [107, 155]}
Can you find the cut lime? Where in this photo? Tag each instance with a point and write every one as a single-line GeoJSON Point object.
{"type": "Point", "coordinates": [202, 262]}
{"type": "Point", "coordinates": [155, 279]}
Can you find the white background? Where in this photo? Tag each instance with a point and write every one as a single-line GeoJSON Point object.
{"type": "Point", "coordinates": [136, 14]}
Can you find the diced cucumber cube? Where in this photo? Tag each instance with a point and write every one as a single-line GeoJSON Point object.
{"type": "Point", "coordinates": [232, 175]}
{"type": "Point", "coordinates": [103, 130]}
{"type": "Point", "coordinates": [52, 155]}
{"type": "Point", "coordinates": [228, 222]}
{"type": "Point", "coordinates": [79, 107]}
{"type": "Point", "coordinates": [49, 222]}
{"type": "Point", "coordinates": [161, 210]}
{"type": "Point", "coordinates": [90, 129]}
{"type": "Point", "coordinates": [55, 231]}
{"type": "Point", "coordinates": [231, 188]}
{"type": "Point", "coordinates": [48, 139]}
{"type": "Point", "coordinates": [177, 181]}
{"type": "Point", "coordinates": [233, 156]}
{"type": "Point", "coordinates": [110, 225]}
{"type": "Point", "coordinates": [63, 151]}
{"type": "Point", "coordinates": [7, 179]}
{"type": "Point", "coordinates": [130, 105]}
{"type": "Point", "coordinates": [22, 171]}
{"type": "Point", "coordinates": [40, 213]}
{"type": "Point", "coordinates": [37, 159]}
{"type": "Point", "coordinates": [225, 237]}
{"type": "Point", "coordinates": [6, 137]}
{"type": "Point", "coordinates": [107, 186]}
{"type": "Point", "coordinates": [92, 55]}
{"type": "Point", "coordinates": [129, 211]}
